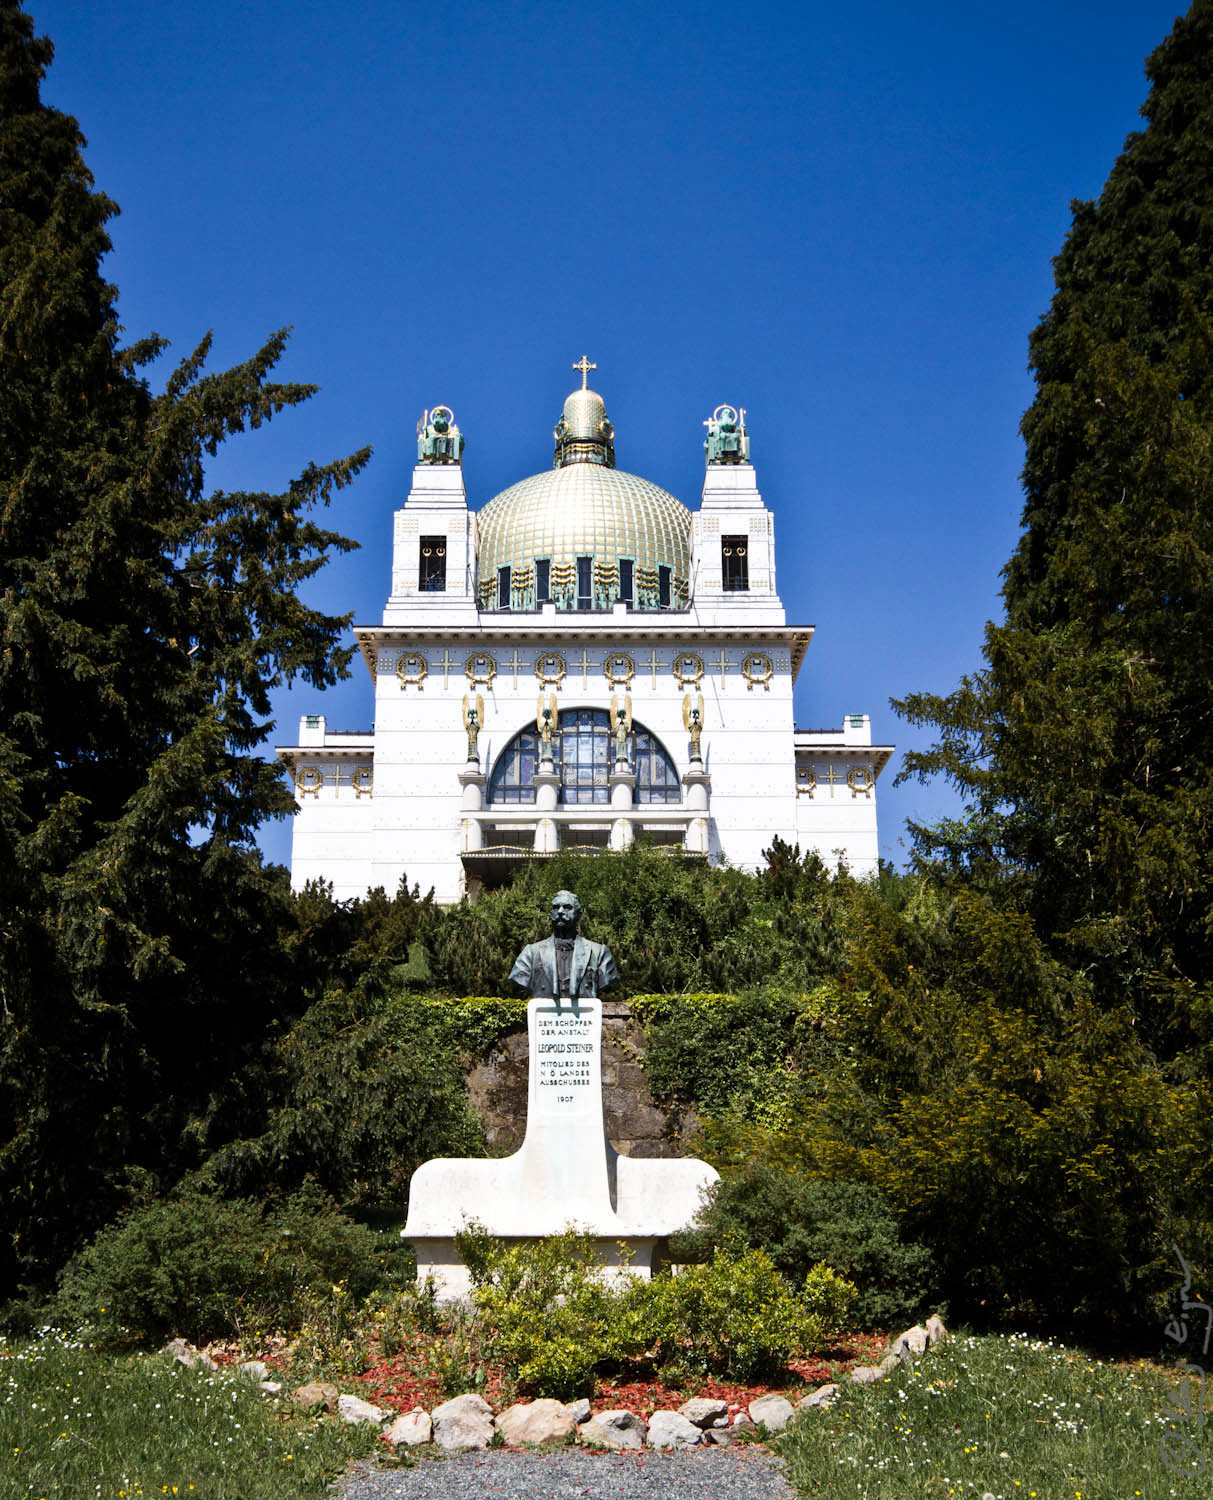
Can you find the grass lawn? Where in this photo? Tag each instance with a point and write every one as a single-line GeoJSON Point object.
{"type": "Point", "coordinates": [76, 1424]}
{"type": "Point", "coordinates": [1012, 1418]}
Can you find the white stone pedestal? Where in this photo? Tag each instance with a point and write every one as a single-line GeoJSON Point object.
{"type": "Point", "coordinates": [566, 1172]}
{"type": "Point", "coordinates": [472, 780]}
{"type": "Point", "coordinates": [622, 785]}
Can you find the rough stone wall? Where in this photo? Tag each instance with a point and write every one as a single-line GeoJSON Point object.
{"type": "Point", "coordinates": [636, 1125]}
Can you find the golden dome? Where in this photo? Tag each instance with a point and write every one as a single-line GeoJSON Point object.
{"type": "Point", "coordinates": [584, 508]}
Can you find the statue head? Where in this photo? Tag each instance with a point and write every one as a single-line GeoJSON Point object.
{"type": "Point", "coordinates": [566, 912]}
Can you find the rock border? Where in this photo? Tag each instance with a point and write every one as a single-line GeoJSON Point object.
{"type": "Point", "coordinates": [468, 1422]}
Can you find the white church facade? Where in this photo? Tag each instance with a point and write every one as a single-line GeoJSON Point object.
{"type": "Point", "coordinates": [583, 662]}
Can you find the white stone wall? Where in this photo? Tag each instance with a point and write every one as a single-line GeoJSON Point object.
{"type": "Point", "coordinates": [420, 748]}
{"type": "Point", "coordinates": [816, 789]}
{"type": "Point", "coordinates": [731, 505]}
{"type": "Point", "coordinates": [331, 833]}
{"type": "Point", "coordinates": [836, 774]}
{"type": "Point", "coordinates": [421, 743]}
{"type": "Point", "coordinates": [436, 506]}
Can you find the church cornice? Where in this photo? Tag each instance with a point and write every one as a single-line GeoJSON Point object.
{"type": "Point", "coordinates": [877, 755]}
{"type": "Point", "coordinates": [795, 639]}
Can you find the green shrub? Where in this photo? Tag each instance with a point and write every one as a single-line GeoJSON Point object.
{"type": "Point", "coordinates": [203, 1267]}
{"type": "Point", "coordinates": [401, 1314]}
{"type": "Point", "coordinates": [545, 1312]}
{"type": "Point", "coordinates": [672, 928]}
{"type": "Point", "coordinates": [736, 1316]}
{"type": "Point", "coordinates": [800, 1221]}
{"type": "Point", "coordinates": [366, 1089]}
{"type": "Point", "coordinates": [724, 1053]}
{"type": "Point", "coordinates": [543, 1309]}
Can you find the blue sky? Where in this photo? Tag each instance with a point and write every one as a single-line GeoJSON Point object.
{"type": "Point", "coordinates": [841, 218]}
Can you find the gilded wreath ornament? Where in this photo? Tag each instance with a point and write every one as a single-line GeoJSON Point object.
{"type": "Point", "coordinates": [480, 667]}
{"type": "Point", "coordinates": [551, 668]}
{"type": "Point", "coordinates": [687, 667]}
{"type": "Point", "coordinates": [412, 669]}
{"type": "Point", "coordinates": [757, 668]}
{"type": "Point", "coordinates": [861, 781]}
{"type": "Point", "coordinates": [618, 668]}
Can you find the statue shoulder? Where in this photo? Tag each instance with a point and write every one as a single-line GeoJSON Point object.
{"type": "Point", "coordinates": [524, 964]}
{"type": "Point", "coordinates": [604, 962]}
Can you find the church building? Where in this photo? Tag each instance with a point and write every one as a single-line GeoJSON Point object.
{"type": "Point", "coordinates": [582, 662]}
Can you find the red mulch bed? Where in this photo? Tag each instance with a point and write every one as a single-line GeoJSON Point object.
{"type": "Point", "coordinates": [394, 1383]}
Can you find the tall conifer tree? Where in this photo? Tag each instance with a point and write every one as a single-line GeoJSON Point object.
{"type": "Point", "coordinates": [143, 624]}
{"type": "Point", "coordinates": [1084, 746]}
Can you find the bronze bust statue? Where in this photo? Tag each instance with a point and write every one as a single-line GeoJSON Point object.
{"type": "Point", "coordinates": [566, 965]}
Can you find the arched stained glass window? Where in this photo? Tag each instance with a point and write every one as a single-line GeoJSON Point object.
{"type": "Point", "coordinates": [582, 752]}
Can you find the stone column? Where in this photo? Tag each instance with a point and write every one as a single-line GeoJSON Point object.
{"type": "Point", "coordinates": [697, 786]}
{"type": "Point", "coordinates": [547, 796]}
{"type": "Point", "coordinates": [622, 783]}
{"type": "Point", "coordinates": [472, 780]}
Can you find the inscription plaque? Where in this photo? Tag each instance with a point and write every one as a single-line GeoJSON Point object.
{"type": "Point", "coordinates": [567, 1061]}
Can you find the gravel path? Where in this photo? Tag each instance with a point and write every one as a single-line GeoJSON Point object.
{"type": "Point", "coordinates": [742, 1473]}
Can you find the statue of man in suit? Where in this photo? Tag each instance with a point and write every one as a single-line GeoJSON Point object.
{"type": "Point", "coordinates": [564, 966]}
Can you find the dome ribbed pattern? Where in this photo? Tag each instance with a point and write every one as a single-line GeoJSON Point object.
{"type": "Point", "coordinates": [578, 510]}
{"type": "Point", "coordinates": [584, 414]}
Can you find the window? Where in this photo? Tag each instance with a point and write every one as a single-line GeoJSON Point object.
{"type": "Point", "coordinates": [503, 588]}
{"type": "Point", "coordinates": [543, 580]}
{"type": "Point", "coordinates": [585, 583]}
{"type": "Point", "coordinates": [734, 563]}
{"type": "Point", "coordinates": [582, 752]}
{"type": "Point", "coordinates": [432, 566]}
{"type": "Point", "coordinates": [663, 587]}
{"type": "Point", "coordinates": [627, 580]}
{"type": "Point", "coordinates": [514, 773]}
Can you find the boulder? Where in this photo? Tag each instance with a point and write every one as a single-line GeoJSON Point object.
{"type": "Point", "coordinates": [411, 1429]}
{"type": "Point", "coordinates": [913, 1342]}
{"type": "Point", "coordinates": [866, 1375]}
{"type": "Point", "coordinates": [255, 1369]}
{"type": "Point", "coordinates": [614, 1429]}
{"type": "Point", "coordinates": [742, 1423]}
{"type": "Point", "coordinates": [705, 1412]}
{"type": "Point", "coordinates": [720, 1437]}
{"type": "Point", "coordinates": [822, 1396]}
{"type": "Point", "coordinates": [463, 1422]}
{"type": "Point", "coordinates": [772, 1412]}
{"type": "Point", "coordinates": [535, 1422]}
{"type": "Point", "coordinates": [670, 1429]}
{"type": "Point", "coordinates": [580, 1410]}
{"type": "Point", "coordinates": [317, 1393]}
{"type": "Point", "coordinates": [936, 1332]}
{"type": "Point", "coordinates": [889, 1363]}
{"type": "Point", "coordinates": [354, 1409]}
{"type": "Point", "coordinates": [185, 1354]}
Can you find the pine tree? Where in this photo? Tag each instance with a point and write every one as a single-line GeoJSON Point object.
{"type": "Point", "coordinates": [1084, 745]}
{"type": "Point", "coordinates": [144, 623]}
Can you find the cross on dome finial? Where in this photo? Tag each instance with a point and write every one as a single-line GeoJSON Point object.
{"type": "Point", "coordinates": [583, 434]}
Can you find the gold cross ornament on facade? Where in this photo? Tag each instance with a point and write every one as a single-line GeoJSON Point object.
{"type": "Point", "coordinates": [584, 366]}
